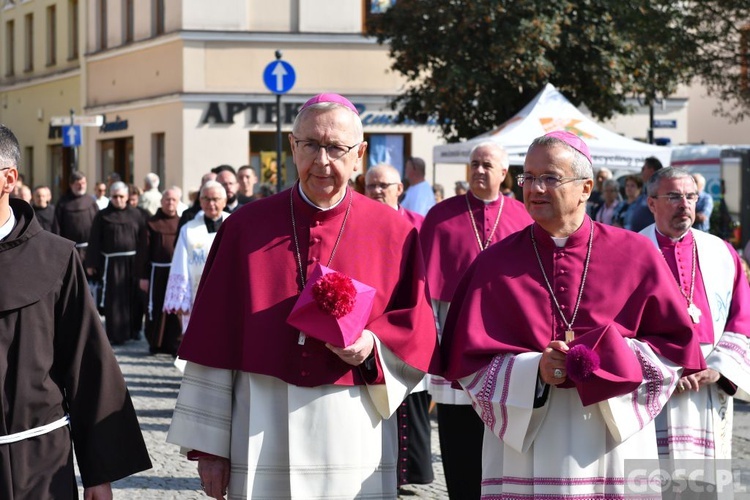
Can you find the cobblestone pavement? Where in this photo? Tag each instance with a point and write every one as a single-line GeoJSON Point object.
{"type": "Point", "coordinates": [154, 382]}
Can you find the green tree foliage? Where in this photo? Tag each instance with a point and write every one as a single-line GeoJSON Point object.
{"type": "Point", "coordinates": [472, 64]}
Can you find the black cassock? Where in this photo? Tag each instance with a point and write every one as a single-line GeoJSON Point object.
{"type": "Point", "coordinates": [163, 331]}
{"type": "Point", "coordinates": [56, 359]}
{"type": "Point", "coordinates": [73, 218]}
{"type": "Point", "coordinates": [115, 232]}
{"type": "Point", "coordinates": [45, 216]}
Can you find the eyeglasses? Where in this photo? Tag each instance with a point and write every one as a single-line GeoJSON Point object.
{"type": "Point", "coordinates": [334, 151]}
{"type": "Point", "coordinates": [676, 198]}
{"type": "Point", "coordinates": [381, 185]}
{"type": "Point", "coordinates": [549, 181]}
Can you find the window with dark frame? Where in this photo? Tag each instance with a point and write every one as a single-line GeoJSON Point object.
{"type": "Point", "coordinates": [72, 29]}
{"type": "Point", "coordinates": [372, 10]}
{"type": "Point", "coordinates": [102, 11]}
{"type": "Point", "coordinates": [28, 24]}
{"type": "Point", "coordinates": [158, 21]}
{"type": "Point", "coordinates": [10, 48]}
{"type": "Point", "coordinates": [128, 21]}
{"type": "Point", "coordinates": [51, 35]}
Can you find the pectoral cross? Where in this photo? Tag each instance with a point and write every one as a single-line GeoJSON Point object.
{"type": "Point", "coordinates": [695, 313]}
{"type": "Point", "coordinates": [569, 336]}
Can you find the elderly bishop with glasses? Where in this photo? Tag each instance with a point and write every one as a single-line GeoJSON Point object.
{"type": "Point", "coordinates": [269, 409]}
{"type": "Point", "coordinates": [697, 422]}
{"type": "Point", "coordinates": [568, 336]}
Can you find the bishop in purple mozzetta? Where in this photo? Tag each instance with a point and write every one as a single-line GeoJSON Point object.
{"type": "Point", "coordinates": [527, 300]}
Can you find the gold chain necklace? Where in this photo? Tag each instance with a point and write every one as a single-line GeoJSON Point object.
{"type": "Point", "coordinates": [474, 223]}
{"type": "Point", "coordinates": [298, 254]}
{"type": "Point", "coordinates": [569, 334]}
{"type": "Point", "coordinates": [693, 310]}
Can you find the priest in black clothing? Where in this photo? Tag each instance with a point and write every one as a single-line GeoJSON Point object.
{"type": "Point", "coordinates": [111, 258]}
{"type": "Point", "coordinates": [44, 210]}
{"type": "Point", "coordinates": [154, 258]}
{"type": "Point", "coordinates": [75, 212]}
{"type": "Point", "coordinates": [60, 378]}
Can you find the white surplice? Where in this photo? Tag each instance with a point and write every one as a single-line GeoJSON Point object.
{"type": "Point", "coordinates": [697, 425]}
{"type": "Point", "coordinates": [563, 449]}
{"type": "Point", "coordinates": [327, 442]}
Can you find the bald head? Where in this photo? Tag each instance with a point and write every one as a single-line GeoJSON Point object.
{"type": "Point", "coordinates": [383, 184]}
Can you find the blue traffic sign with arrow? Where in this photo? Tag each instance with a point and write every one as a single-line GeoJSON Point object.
{"type": "Point", "coordinates": [71, 136]}
{"type": "Point", "coordinates": [279, 77]}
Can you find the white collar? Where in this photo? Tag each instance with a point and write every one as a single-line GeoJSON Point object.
{"type": "Point", "coordinates": [309, 202]}
{"type": "Point", "coordinates": [6, 228]}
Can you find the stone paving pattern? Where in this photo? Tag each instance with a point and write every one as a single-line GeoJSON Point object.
{"type": "Point", "coordinates": [154, 382]}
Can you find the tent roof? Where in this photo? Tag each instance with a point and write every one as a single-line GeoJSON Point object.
{"type": "Point", "coordinates": [549, 111]}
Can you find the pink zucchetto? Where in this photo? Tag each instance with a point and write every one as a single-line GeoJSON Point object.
{"type": "Point", "coordinates": [339, 99]}
{"type": "Point", "coordinates": [573, 141]}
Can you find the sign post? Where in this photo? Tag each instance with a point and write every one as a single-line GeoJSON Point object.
{"type": "Point", "coordinates": [279, 77]}
{"type": "Point", "coordinates": [72, 133]}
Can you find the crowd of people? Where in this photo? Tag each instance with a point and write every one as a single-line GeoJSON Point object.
{"type": "Point", "coordinates": [498, 314]}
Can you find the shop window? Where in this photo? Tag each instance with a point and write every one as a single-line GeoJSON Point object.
{"type": "Point", "coordinates": [158, 165]}
{"type": "Point", "coordinates": [386, 148]}
{"type": "Point", "coordinates": [116, 156]}
{"type": "Point", "coordinates": [372, 10]}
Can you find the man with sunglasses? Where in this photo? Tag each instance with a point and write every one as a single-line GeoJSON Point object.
{"type": "Point", "coordinates": [697, 422]}
{"type": "Point", "coordinates": [566, 371]}
{"type": "Point", "coordinates": [268, 410]}
{"type": "Point", "coordinates": [62, 387]}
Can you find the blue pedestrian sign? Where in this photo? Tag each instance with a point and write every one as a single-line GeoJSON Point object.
{"type": "Point", "coordinates": [279, 77]}
{"type": "Point", "coordinates": [71, 136]}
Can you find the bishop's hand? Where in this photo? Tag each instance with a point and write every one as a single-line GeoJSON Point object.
{"type": "Point", "coordinates": [552, 364]}
{"type": "Point", "coordinates": [356, 353]}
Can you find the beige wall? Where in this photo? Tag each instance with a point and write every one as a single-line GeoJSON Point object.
{"type": "Point", "coordinates": [27, 112]}
{"type": "Point", "coordinates": [143, 122]}
{"type": "Point", "coordinates": [128, 75]}
{"type": "Point", "coordinates": [705, 126]}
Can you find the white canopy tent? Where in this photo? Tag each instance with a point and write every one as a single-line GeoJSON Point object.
{"type": "Point", "coordinates": [550, 111]}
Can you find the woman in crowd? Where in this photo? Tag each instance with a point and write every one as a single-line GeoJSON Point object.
{"type": "Point", "coordinates": [610, 204]}
{"type": "Point", "coordinates": [633, 186]}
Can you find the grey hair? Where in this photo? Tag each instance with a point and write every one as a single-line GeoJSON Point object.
{"type": "Point", "coordinates": [10, 151]}
{"type": "Point", "coordinates": [328, 106]}
{"type": "Point", "coordinates": [652, 186]}
{"type": "Point", "coordinates": [504, 160]}
{"type": "Point", "coordinates": [152, 180]}
{"type": "Point", "coordinates": [177, 191]}
{"type": "Point", "coordinates": [610, 183]}
{"type": "Point", "coordinates": [390, 170]}
{"type": "Point", "coordinates": [118, 186]}
{"type": "Point", "coordinates": [581, 166]}
{"type": "Point", "coordinates": [213, 185]}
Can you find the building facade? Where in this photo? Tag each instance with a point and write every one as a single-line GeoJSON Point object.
{"type": "Point", "coordinates": [179, 84]}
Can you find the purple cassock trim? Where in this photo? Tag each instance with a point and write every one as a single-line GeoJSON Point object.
{"type": "Point", "coordinates": [736, 351]}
